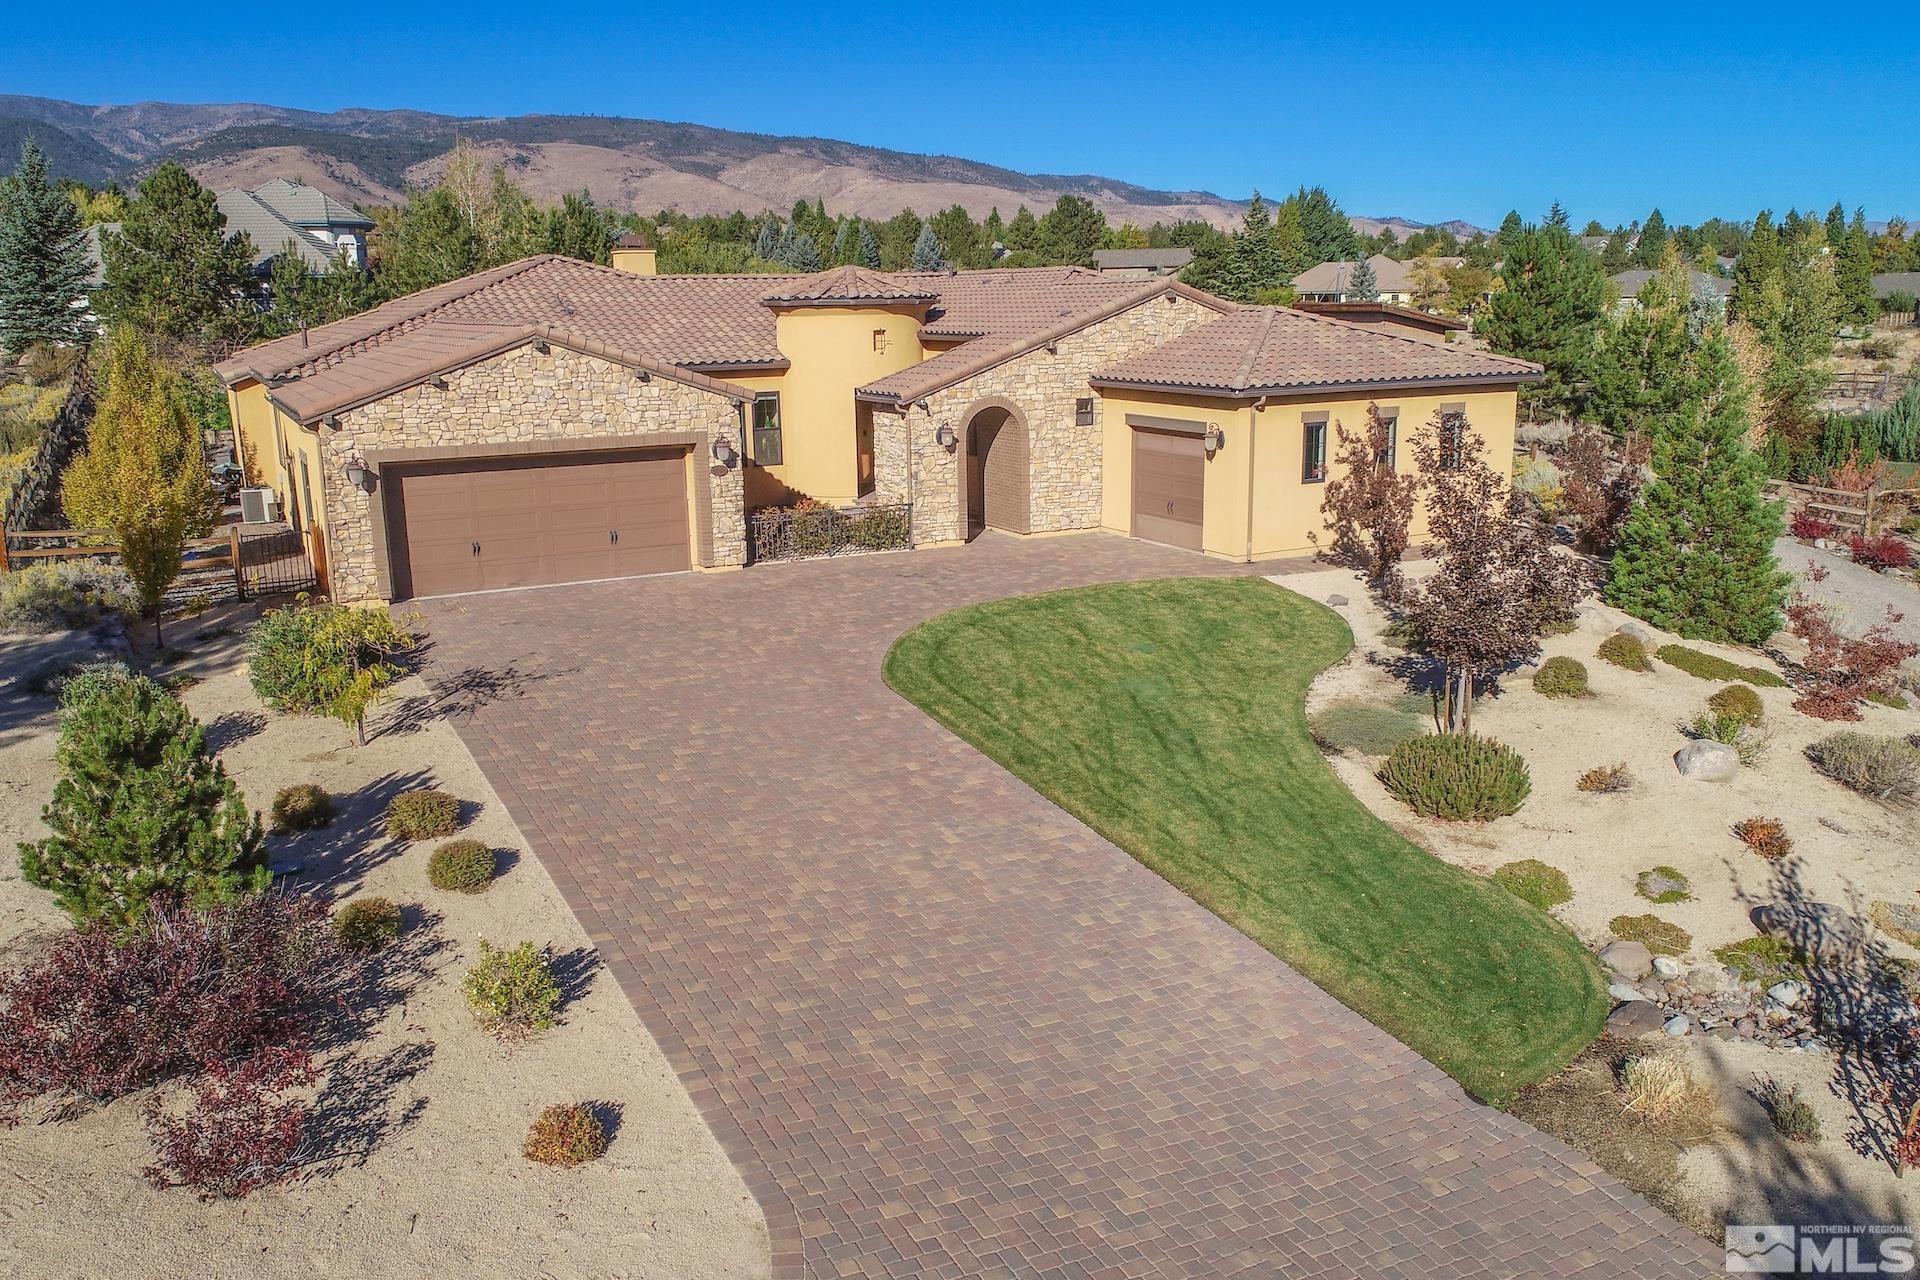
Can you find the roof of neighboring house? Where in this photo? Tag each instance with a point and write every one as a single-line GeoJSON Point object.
{"type": "Point", "coordinates": [306, 206]}
{"type": "Point", "coordinates": [1382, 312]}
{"type": "Point", "coordinates": [1887, 282]}
{"type": "Point", "coordinates": [1257, 351]}
{"type": "Point", "coordinates": [1630, 283]}
{"type": "Point", "coordinates": [1155, 259]}
{"type": "Point", "coordinates": [842, 285]}
{"type": "Point", "coordinates": [1390, 275]}
{"type": "Point", "coordinates": [270, 231]}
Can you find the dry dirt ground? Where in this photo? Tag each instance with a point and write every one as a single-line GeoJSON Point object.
{"type": "Point", "coordinates": [423, 1174]}
{"type": "Point", "coordinates": [1851, 848]}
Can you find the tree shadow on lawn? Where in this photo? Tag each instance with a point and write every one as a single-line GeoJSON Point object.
{"type": "Point", "coordinates": [339, 855]}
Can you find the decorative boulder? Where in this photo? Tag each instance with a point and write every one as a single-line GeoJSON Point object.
{"type": "Point", "coordinates": [1786, 994]}
{"type": "Point", "coordinates": [1636, 1018]}
{"type": "Point", "coordinates": [1337, 600]}
{"type": "Point", "coordinates": [1631, 960]}
{"type": "Point", "coordinates": [1636, 633]}
{"type": "Point", "coordinates": [1678, 1026]}
{"type": "Point", "coordinates": [1707, 761]}
{"type": "Point", "coordinates": [1666, 966]}
{"type": "Point", "coordinates": [1623, 991]}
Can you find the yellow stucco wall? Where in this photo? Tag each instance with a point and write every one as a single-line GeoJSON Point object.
{"type": "Point", "coordinates": [832, 351]}
{"type": "Point", "coordinates": [1260, 460]}
{"type": "Point", "coordinates": [271, 449]}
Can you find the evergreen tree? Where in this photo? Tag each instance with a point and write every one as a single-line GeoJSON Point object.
{"type": "Point", "coordinates": [1553, 302]}
{"type": "Point", "coordinates": [846, 242]}
{"type": "Point", "coordinates": [579, 228]}
{"type": "Point", "coordinates": [1761, 262]}
{"type": "Point", "coordinates": [1252, 260]}
{"type": "Point", "coordinates": [1363, 285]}
{"type": "Point", "coordinates": [1510, 227]}
{"type": "Point", "coordinates": [1640, 364]}
{"type": "Point", "coordinates": [869, 248]}
{"type": "Point", "coordinates": [1593, 227]}
{"type": "Point", "coordinates": [1836, 224]}
{"type": "Point", "coordinates": [141, 812]}
{"type": "Point", "coordinates": [993, 232]}
{"type": "Point", "coordinates": [1556, 215]}
{"type": "Point", "coordinates": [767, 243]}
{"type": "Point", "coordinates": [803, 254]}
{"type": "Point", "coordinates": [1696, 552]}
{"type": "Point", "coordinates": [1325, 230]}
{"type": "Point", "coordinates": [171, 269]}
{"type": "Point", "coordinates": [926, 251]}
{"type": "Point", "coordinates": [43, 259]}
{"type": "Point", "coordinates": [1617, 256]}
{"type": "Point", "coordinates": [1024, 231]}
{"type": "Point", "coordinates": [957, 238]}
{"type": "Point", "coordinates": [1071, 231]}
{"type": "Point", "coordinates": [1651, 247]}
{"type": "Point", "coordinates": [1853, 274]}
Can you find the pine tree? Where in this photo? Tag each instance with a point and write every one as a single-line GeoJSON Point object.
{"type": "Point", "coordinates": [1251, 262]}
{"type": "Point", "coordinates": [1760, 263]}
{"type": "Point", "coordinates": [869, 253]}
{"type": "Point", "coordinates": [141, 812]}
{"type": "Point", "coordinates": [1640, 364]}
{"type": "Point", "coordinates": [1324, 228]}
{"type": "Point", "coordinates": [171, 269]}
{"type": "Point", "coordinates": [1071, 231]}
{"type": "Point", "coordinates": [143, 474]}
{"type": "Point", "coordinates": [1651, 247]}
{"type": "Point", "coordinates": [1617, 256]}
{"type": "Point", "coordinates": [1696, 552]}
{"type": "Point", "coordinates": [1836, 224]}
{"type": "Point", "coordinates": [43, 259]}
{"type": "Point", "coordinates": [1554, 300]}
{"type": "Point", "coordinates": [579, 228]}
{"type": "Point", "coordinates": [926, 251]}
{"type": "Point", "coordinates": [1024, 231]}
{"type": "Point", "coordinates": [993, 233]}
{"type": "Point", "coordinates": [803, 254]}
{"type": "Point", "coordinates": [1853, 274]}
{"type": "Point", "coordinates": [846, 242]}
{"type": "Point", "coordinates": [1510, 227]}
{"type": "Point", "coordinates": [1556, 215]}
{"type": "Point", "coordinates": [767, 244]}
{"type": "Point", "coordinates": [1363, 285]}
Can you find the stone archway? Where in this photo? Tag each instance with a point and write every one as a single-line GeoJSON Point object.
{"type": "Point", "coordinates": [996, 469]}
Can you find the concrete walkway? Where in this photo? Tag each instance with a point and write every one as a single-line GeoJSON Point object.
{"type": "Point", "coordinates": [943, 1029]}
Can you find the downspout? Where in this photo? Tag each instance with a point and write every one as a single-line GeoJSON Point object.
{"type": "Point", "coordinates": [1253, 437]}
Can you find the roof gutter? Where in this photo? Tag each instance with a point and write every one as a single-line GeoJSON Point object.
{"type": "Point", "coordinates": [1317, 389]}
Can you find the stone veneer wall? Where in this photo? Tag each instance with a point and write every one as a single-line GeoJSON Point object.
{"type": "Point", "coordinates": [1066, 457]}
{"type": "Point", "coordinates": [520, 395]}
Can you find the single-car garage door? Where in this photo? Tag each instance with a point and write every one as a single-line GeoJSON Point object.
{"type": "Point", "coordinates": [481, 525]}
{"type": "Point", "coordinates": [1169, 479]}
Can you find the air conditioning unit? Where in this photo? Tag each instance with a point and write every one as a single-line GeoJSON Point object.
{"type": "Point", "coordinates": [259, 505]}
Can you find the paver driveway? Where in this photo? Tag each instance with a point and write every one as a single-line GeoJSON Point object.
{"type": "Point", "coordinates": [944, 1029]}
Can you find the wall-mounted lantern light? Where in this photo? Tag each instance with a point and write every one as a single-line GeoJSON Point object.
{"type": "Point", "coordinates": [438, 384]}
{"type": "Point", "coordinates": [642, 375]}
{"type": "Point", "coordinates": [1214, 438]}
{"type": "Point", "coordinates": [724, 453]}
{"type": "Point", "coordinates": [944, 436]}
{"type": "Point", "coordinates": [332, 420]}
{"type": "Point", "coordinates": [358, 476]}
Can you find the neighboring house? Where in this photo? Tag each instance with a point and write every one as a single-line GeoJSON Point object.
{"type": "Point", "coordinates": [1140, 264]}
{"type": "Point", "coordinates": [1888, 283]}
{"type": "Point", "coordinates": [551, 420]}
{"type": "Point", "coordinates": [1385, 315]}
{"type": "Point", "coordinates": [1333, 281]}
{"type": "Point", "coordinates": [1630, 283]}
{"type": "Point", "coordinates": [275, 215]}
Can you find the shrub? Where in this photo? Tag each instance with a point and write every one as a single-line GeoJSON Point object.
{"type": "Point", "coordinates": [1624, 652]}
{"type": "Point", "coordinates": [1718, 726]}
{"type": "Point", "coordinates": [1811, 528]}
{"type": "Point", "coordinates": [1533, 881]}
{"type": "Point", "coordinates": [422, 814]}
{"type": "Point", "coordinates": [512, 993]}
{"type": "Point", "coordinates": [1793, 1119]}
{"type": "Point", "coordinates": [463, 866]}
{"type": "Point", "coordinates": [1895, 701]}
{"type": "Point", "coordinates": [52, 679]}
{"type": "Point", "coordinates": [1845, 670]}
{"type": "Point", "coordinates": [1658, 1088]}
{"type": "Point", "coordinates": [1878, 347]}
{"type": "Point", "coordinates": [367, 924]}
{"type": "Point", "coordinates": [236, 1138]}
{"type": "Point", "coordinates": [1881, 552]}
{"type": "Point", "coordinates": [301, 807]}
{"type": "Point", "coordinates": [1707, 667]}
{"type": "Point", "coordinates": [1765, 836]}
{"type": "Point", "coordinates": [1663, 885]}
{"type": "Point", "coordinates": [1457, 776]}
{"type": "Point", "coordinates": [1605, 779]}
{"type": "Point", "coordinates": [141, 811]}
{"type": "Point", "coordinates": [102, 1013]}
{"type": "Point", "coordinates": [1738, 702]}
{"type": "Point", "coordinates": [1365, 727]}
{"type": "Point", "coordinates": [1657, 935]}
{"type": "Point", "coordinates": [1883, 768]}
{"type": "Point", "coordinates": [1562, 678]}
{"type": "Point", "coordinates": [1763, 959]}
{"type": "Point", "coordinates": [324, 659]}
{"type": "Point", "coordinates": [567, 1133]}
{"type": "Point", "coordinates": [63, 596]}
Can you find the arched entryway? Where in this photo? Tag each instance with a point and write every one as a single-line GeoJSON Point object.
{"type": "Point", "coordinates": [997, 468]}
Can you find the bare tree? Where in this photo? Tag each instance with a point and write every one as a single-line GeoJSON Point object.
{"type": "Point", "coordinates": [1369, 505]}
{"type": "Point", "coordinates": [1499, 582]}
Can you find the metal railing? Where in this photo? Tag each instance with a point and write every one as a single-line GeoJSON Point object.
{"type": "Point", "coordinates": [807, 532]}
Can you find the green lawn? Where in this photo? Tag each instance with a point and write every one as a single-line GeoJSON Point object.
{"type": "Point", "coordinates": [1168, 716]}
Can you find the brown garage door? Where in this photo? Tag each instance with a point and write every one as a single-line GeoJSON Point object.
{"type": "Point", "coordinates": [1169, 473]}
{"type": "Point", "coordinates": [522, 522]}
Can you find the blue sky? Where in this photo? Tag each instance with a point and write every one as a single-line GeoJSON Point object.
{"type": "Point", "coordinates": [1460, 114]}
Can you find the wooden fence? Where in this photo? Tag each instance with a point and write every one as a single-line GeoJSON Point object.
{"type": "Point", "coordinates": [1852, 510]}
{"type": "Point", "coordinates": [1869, 386]}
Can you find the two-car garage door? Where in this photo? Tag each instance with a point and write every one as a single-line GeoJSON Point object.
{"type": "Point", "coordinates": [483, 525]}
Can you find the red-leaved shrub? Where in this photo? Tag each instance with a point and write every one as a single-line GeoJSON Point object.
{"type": "Point", "coordinates": [1880, 553]}
{"type": "Point", "coordinates": [1844, 670]}
{"type": "Point", "coordinates": [1811, 527]}
{"type": "Point", "coordinates": [237, 1137]}
{"type": "Point", "coordinates": [101, 1015]}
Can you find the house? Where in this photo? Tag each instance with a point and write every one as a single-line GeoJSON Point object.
{"type": "Point", "coordinates": [1333, 281]}
{"type": "Point", "coordinates": [1887, 284]}
{"type": "Point", "coordinates": [282, 213]}
{"type": "Point", "coordinates": [1385, 315]}
{"type": "Point", "coordinates": [1141, 264]}
{"type": "Point", "coordinates": [551, 420]}
{"type": "Point", "coordinates": [1629, 283]}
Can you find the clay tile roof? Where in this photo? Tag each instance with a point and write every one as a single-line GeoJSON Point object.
{"type": "Point", "coordinates": [1274, 350]}
{"type": "Point", "coordinates": [847, 284]}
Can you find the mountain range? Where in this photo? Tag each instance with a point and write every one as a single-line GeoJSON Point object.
{"type": "Point", "coordinates": [370, 157]}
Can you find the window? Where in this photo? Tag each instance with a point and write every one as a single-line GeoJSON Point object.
{"type": "Point", "coordinates": [1313, 451]}
{"type": "Point", "coordinates": [1390, 419]}
{"type": "Point", "coordinates": [1453, 436]}
{"type": "Point", "coordinates": [1083, 412]}
{"type": "Point", "coordinates": [766, 428]}
{"type": "Point", "coordinates": [879, 339]}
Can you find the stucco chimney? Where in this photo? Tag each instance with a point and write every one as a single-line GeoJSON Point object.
{"type": "Point", "coordinates": [630, 253]}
